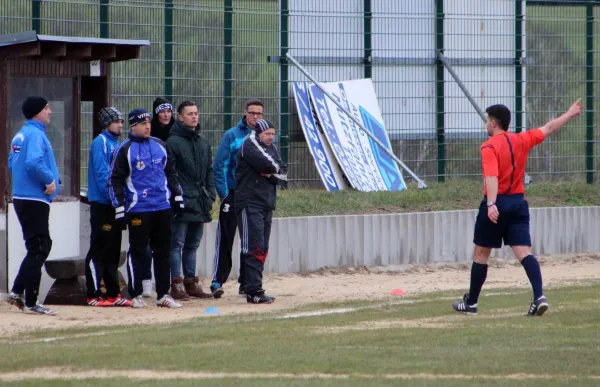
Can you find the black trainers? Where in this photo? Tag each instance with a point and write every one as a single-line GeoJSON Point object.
{"type": "Point", "coordinates": [39, 309]}
{"type": "Point", "coordinates": [464, 307]}
{"type": "Point", "coordinates": [538, 307]}
{"type": "Point", "coordinates": [259, 298]}
{"type": "Point", "coordinates": [242, 291]}
{"type": "Point", "coordinates": [216, 289]}
{"type": "Point", "coordinates": [16, 299]}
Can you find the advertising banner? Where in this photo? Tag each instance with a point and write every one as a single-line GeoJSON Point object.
{"type": "Point", "coordinates": [326, 163]}
{"type": "Point", "coordinates": [365, 165]}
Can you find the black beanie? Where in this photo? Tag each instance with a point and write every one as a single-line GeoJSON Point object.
{"type": "Point", "coordinates": [161, 104]}
{"type": "Point", "coordinates": [32, 106]}
{"type": "Point", "coordinates": [262, 125]}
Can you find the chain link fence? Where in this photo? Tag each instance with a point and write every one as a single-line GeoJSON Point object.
{"type": "Point", "coordinates": [534, 56]}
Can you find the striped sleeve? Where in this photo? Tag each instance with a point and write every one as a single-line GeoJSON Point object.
{"type": "Point", "coordinates": [257, 157]}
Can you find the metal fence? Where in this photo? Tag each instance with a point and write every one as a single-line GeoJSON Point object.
{"type": "Point", "coordinates": [534, 56]}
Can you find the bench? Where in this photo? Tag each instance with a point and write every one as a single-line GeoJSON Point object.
{"type": "Point", "coordinates": [69, 286]}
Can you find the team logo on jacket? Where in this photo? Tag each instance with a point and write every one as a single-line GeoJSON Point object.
{"type": "Point", "coordinates": [140, 165]}
{"type": "Point", "coordinates": [17, 142]}
{"type": "Point", "coordinates": [136, 222]}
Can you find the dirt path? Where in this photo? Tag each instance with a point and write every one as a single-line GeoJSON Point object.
{"type": "Point", "coordinates": [324, 286]}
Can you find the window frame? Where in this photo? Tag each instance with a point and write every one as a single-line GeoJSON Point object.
{"type": "Point", "coordinates": [72, 140]}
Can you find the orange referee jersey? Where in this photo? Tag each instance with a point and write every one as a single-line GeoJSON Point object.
{"type": "Point", "coordinates": [505, 156]}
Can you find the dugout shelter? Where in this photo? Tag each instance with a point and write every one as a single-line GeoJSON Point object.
{"type": "Point", "coordinates": [66, 71]}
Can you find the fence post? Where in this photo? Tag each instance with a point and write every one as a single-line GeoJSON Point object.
{"type": "Point", "coordinates": [368, 41]}
{"type": "Point", "coordinates": [518, 66]}
{"type": "Point", "coordinates": [227, 63]}
{"type": "Point", "coordinates": [284, 81]}
{"type": "Point", "coordinates": [589, 92]}
{"type": "Point", "coordinates": [104, 18]}
{"type": "Point", "coordinates": [169, 50]}
{"type": "Point", "coordinates": [36, 11]}
{"type": "Point", "coordinates": [439, 81]}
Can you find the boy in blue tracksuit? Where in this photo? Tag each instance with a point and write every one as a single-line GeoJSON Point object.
{"type": "Point", "coordinates": [143, 188]}
{"type": "Point", "coordinates": [35, 182]}
{"type": "Point", "coordinates": [102, 260]}
{"type": "Point", "coordinates": [224, 167]}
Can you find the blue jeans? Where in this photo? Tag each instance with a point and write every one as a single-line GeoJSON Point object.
{"type": "Point", "coordinates": [185, 239]}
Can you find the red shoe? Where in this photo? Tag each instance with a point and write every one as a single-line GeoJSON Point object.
{"type": "Point", "coordinates": [118, 301]}
{"type": "Point", "coordinates": [98, 301]}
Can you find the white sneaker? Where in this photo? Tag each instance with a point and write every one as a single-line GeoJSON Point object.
{"type": "Point", "coordinates": [39, 309]}
{"type": "Point", "coordinates": [167, 302]}
{"type": "Point", "coordinates": [138, 302]}
{"type": "Point", "coordinates": [147, 288]}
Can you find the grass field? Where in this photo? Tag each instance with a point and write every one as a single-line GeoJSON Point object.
{"type": "Point", "coordinates": [415, 341]}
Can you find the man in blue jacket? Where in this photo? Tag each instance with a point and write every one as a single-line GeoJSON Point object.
{"type": "Point", "coordinates": [102, 260]}
{"type": "Point", "coordinates": [143, 188]}
{"type": "Point", "coordinates": [224, 167]}
{"type": "Point", "coordinates": [35, 183]}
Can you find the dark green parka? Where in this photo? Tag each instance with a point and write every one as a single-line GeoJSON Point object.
{"type": "Point", "coordinates": [190, 152]}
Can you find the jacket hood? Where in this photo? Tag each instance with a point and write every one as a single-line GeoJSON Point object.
{"type": "Point", "coordinates": [179, 129]}
{"type": "Point", "coordinates": [159, 131]}
{"type": "Point", "coordinates": [241, 125]}
{"type": "Point", "coordinates": [111, 135]}
{"type": "Point", "coordinates": [37, 124]}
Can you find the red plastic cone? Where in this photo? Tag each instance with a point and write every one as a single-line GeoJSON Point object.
{"type": "Point", "coordinates": [398, 291]}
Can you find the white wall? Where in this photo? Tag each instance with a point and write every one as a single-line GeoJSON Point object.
{"type": "Point", "coordinates": [3, 260]}
{"type": "Point", "coordinates": [64, 231]}
{"type": "Point", "coordinates": [309, 243]}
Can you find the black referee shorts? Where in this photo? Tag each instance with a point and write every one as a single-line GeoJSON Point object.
{"type": "Point", "coordinates": [512, 226]}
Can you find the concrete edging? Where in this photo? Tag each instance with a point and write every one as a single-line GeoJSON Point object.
{"type": "Point", "coordinates": [309, 243]}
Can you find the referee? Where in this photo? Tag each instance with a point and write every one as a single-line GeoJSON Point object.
{"type": "Point", "coordinates": [504, 212]}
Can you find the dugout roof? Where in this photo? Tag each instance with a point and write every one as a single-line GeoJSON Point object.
{"type": "Point", "coordinates": [31, 45]}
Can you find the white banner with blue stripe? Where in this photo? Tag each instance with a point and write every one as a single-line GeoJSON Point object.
{"type": "Point", "coordinates": [366, 166]}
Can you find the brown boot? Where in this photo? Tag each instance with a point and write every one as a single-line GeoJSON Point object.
{"type": "Point", "coordinates": [193, 288]}
{"type": "Point", "coordinates": [178, 290]}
